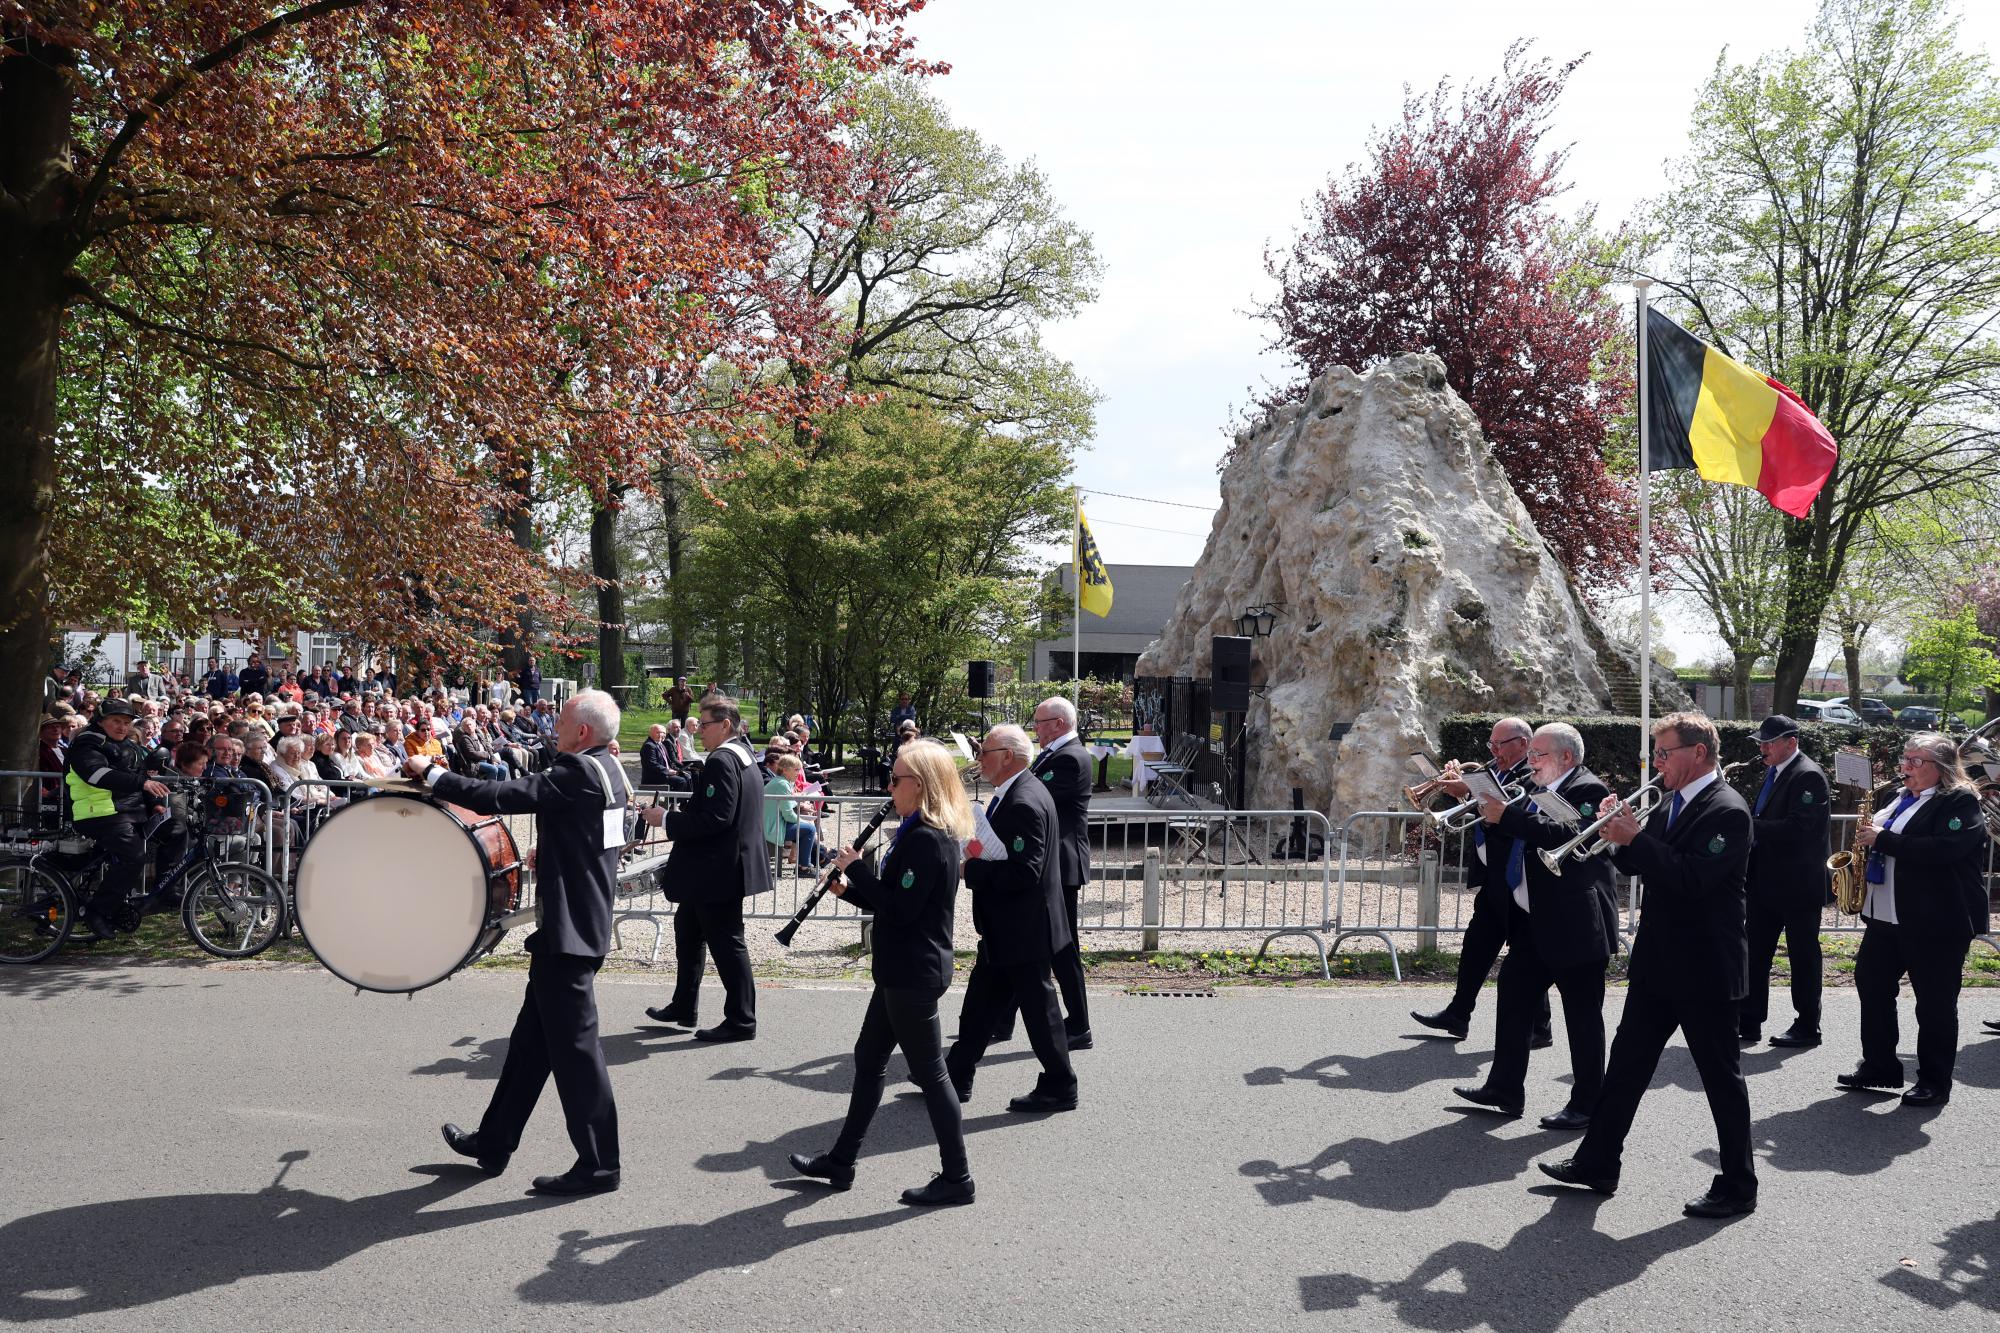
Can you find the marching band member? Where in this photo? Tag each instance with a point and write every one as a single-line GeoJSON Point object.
{"type": "Point", "coordinates": [913, 896]}
{"type": "Point", "coordinates": [1926, 900]}
{"type": "Point", "coordinates": [1687, 966]}
{"type": "Point", "coordinates": [1788, 882]}
{"type": "Point", "coordinates": [1487, 931]}
{"type": "Point", "coordinates": [1561, 931]}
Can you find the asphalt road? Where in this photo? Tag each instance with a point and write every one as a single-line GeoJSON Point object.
{"type": "Point", "coordinates": [188, 1147]}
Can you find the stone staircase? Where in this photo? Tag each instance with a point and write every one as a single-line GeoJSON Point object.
{"type": "Point", "coordinates": [1624, 680]}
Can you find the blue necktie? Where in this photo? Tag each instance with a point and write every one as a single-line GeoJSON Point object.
{"type": "Point", "coordinates": [1517, 859]}
{"type": "Point", "coordinates": [1764, 792]}
{"type": "Point", "coordinates": [1878, 864]}
{"type": "Point", "coordinates": [1674, 809]}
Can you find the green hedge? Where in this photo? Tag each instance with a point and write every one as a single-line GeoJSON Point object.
{"type": "Point", "coordinates": [1611, 745]}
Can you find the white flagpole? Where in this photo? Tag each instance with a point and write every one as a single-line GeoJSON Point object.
{"type": "Point", "coordinates": [1076, 577]}
{"type": "Point", "coordinates": [1645, 544]}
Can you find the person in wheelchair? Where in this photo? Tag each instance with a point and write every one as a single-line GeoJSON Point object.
{"type": "Point", "coordinates": [110, 799]}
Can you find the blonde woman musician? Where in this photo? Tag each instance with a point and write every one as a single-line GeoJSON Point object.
{"type": "Point", "coordinates": [913, 897]}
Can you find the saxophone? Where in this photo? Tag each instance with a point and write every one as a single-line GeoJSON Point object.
{"type": "Point", "coordinates": [1850, 868]}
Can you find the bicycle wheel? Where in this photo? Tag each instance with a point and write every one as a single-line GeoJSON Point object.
{"type": "Point", "coordinates": [36, 913]}
{"type": "Point", "coordinates": [233, 910]}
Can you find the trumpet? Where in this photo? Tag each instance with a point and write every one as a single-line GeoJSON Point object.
{"type": "Point", "coordinates": [1588, 842]}
{"type": "Point", "coordinates": [1458, 818]}
{"type": "Point", "coordinates": [1420, 795]}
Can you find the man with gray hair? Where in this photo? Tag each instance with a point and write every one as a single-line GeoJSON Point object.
{"type": "Point", "coordinates": [1562, 928]}
{"type": "Point", "coordinates": [1017, 908]}
{"type": "Point", "coordinates": [579, 807]}
{"type": "Point", "coordinates": [1507, 743]}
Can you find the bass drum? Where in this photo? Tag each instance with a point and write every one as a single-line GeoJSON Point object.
{"type": "Point", "coordinates": [396, 892]}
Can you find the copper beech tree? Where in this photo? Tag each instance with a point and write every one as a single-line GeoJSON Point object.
{"type": "Point", "coordinates": [1447, 241]}
{"type": "Point", "coordinates": [296, 297]}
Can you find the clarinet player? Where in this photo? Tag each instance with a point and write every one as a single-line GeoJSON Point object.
{"type": "Point", "coordinates": [913, 896]}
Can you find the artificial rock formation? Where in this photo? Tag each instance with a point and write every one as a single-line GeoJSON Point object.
{"type": "Point", "coordinates": [1413, 586]}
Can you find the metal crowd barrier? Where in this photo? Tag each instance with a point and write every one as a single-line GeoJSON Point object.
{"type": "Point", "coordinates": [34, 813]}
{"type": "Point", "coordinates": [1399, 877]}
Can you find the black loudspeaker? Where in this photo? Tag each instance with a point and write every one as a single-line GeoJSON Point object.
{"type": "Point", "coordinates": [1231, 674]}
{"type": "Point", "coordinates": [979, 679]}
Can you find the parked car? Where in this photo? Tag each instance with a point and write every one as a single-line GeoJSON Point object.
{"type": "Point", "coordinates": [1873, 712]}
{"type": "Point", "coordinates": [1916, 717]}
{"type": "Point", "coordinates": [1814, 710]}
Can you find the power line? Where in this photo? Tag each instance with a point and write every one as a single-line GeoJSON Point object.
{"type": "Point", "coordinates": [1177, 504]}
{"type": "Point", "coordinates": [1113, 523]}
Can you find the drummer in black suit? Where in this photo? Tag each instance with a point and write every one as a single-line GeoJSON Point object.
{"type": "Point", "coordinates": [579, 807]}
{"type": "Point", "coordinates": [1017, 908]}
{"type": "Point", "coordinates": [1687, 966]}
{"type": "Point", "coordinates": [1788, 881]}
{"type": "Point", "coordinates": [913, 897]}
{"type": "Point", "coordinates": [718, 859]}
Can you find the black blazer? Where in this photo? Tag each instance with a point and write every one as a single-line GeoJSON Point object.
{"type": "Point", "coordinates": [1691, 939]}
{"type": "Point", "coordinates": [654, 766]}
{"type": "Point", "coordinates": [1941, 871]}
{"type": "Point", "coordinates": [913, 896]}
{"type": "Point", "coordinates": [1066, 775]}
{"type": "Point", "coordinates": [1491, 876]}
{"type": "Point", "coordinates": [1788, 857]}
{"type": "Point", "coordinates": [1573, 916]}
{"type": "Point", "coordinates": [1017, 903]}
{"type": "Point", "coordinates": [718, 832]}
{"type": "Point", "coordinates": [576, 875]}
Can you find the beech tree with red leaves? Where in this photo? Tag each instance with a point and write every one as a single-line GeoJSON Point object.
{"type": "Point", "coordinates": [297, 299]}
{"type": "Point", "coordinates": [1447, 240]}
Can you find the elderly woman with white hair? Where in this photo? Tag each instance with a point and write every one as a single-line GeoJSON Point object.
{"type": "Point", "coordinates": [1926, 899]}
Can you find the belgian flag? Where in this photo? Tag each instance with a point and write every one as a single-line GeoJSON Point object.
{"type": "Point", "coordinates": [1730, 423]}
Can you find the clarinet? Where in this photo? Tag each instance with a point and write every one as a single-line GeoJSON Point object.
{"type": "Point", "coordinates": [791, 928]}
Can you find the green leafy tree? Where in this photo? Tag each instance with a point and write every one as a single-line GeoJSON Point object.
{"type": "Point", "coordinates": [1834, 225]}
{"type": "Point", "coordinates": [1949, 654]}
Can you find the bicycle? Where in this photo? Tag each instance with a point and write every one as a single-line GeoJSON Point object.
{"type": "Point", "coordinates": [231, 909]}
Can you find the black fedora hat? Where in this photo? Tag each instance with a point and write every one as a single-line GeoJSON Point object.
{"type": "Point", "coordinates": [1777, 727]}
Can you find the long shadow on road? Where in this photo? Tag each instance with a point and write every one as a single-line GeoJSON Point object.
{"type": "Point", "coordinates": [127, 1253]}
{"type": "Point", "coordinates": [1519, 1287]}
{"type": "Point", "coordinates": [1969, 1273]}
{"type": "Point", "coordinates": [1404, 1175]}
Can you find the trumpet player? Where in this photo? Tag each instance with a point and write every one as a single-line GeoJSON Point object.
{"type": "Point", "coordinates": [1926, 900]}
{"type": "Point", "coordinates": [1487, 931]}
{"type": "Point", "coordinates": [1561, 930]}
{"type": "Point", "coordinates": [1787, 883]}
{"type": "Point", "coordinates": [1687, 965]}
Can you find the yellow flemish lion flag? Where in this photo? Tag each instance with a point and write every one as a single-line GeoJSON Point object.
{"type": "Point", "coordinates": [1095, 588]}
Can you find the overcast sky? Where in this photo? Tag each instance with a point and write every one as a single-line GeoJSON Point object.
{"type": "Point", "coordinates": [1187, 137]}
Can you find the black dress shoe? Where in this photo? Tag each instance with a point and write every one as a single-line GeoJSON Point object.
{"type": "Point", "coordinates": [1444, 1020]}
{"type": "Point", "coordinates": [99, 926]}
{"type": "Point", "coordinates": [1990, 1024]}
{"type": "Point", "coordinates": [727, 1032]}
{"type": "Point", "coordinates": [571, 1183]}
{"type": "Point", "coordinates": [1860, 1082]}
{"type": "Point", "coordinates": [1568, 1174]}
{"type": "Point", "coordinates": [1566, 1120]}
{"type": "Point", "coordinates": [1080, 1041]}
{"type": "Point", "coordinates": [1717, 1205]}
{"type": "Point", "coordinates": [666, 1013]}
{"type": "Point", "coordinates": [1481, 1097]}
{"type": "Point", "coordinates": [467, 1145]}
{"type": "Point", "coordinates": [840, 1175]}
{"type": "Point", "coordinates": [1796, 1037]}
{"type": "Point", "coordinates": [1002, 1036]}
{"type": "Point", "coordinates": [940, 1192]}
{"type": "Point", "coordinates": [1925, 1095]}
{"type": "Point", "coordinates": [1750, 1036]}
{"type": "Point", "coordinates": [1542, 1040]}
{"type": "Point", "coordinates": [964, 1091]}
{"type": "Point", "coordinates": [1039, 1101]}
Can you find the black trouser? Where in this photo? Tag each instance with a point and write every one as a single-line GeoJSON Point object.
{"type": "Point", "coordinates": [1709, 1028]}
{"type": "Point", "coordinates": [1800, 927]}
{"type": "Point", "coordinates": [170, 844]}
{"type": "Point", "coordinates": [1888, 954]}
{"type": "Point", "coordinates": [1484, 935]}
{"type": "Point", "coordinates": [556, 1033]}
{"type": "Point", "coordinates": [1524, 994]}
{"type": "Point", "coordinates": [988, 991]}
{"type": "Point", "coordinates": [702, 929]}
{"type": "Point", "coordinates": [117, 836]}
{"type": "Point", "coordinates": [1068, 969]}
{"type": "Point", "coordinates": [909, 1019]}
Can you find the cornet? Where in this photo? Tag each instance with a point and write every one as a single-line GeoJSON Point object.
{"type": "Point", "coordinates": [1458, 818]}
{"type": "Point", "coordinates": [1420, 795]}
{"type": "Point", "coordinates": [1587, 843]}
